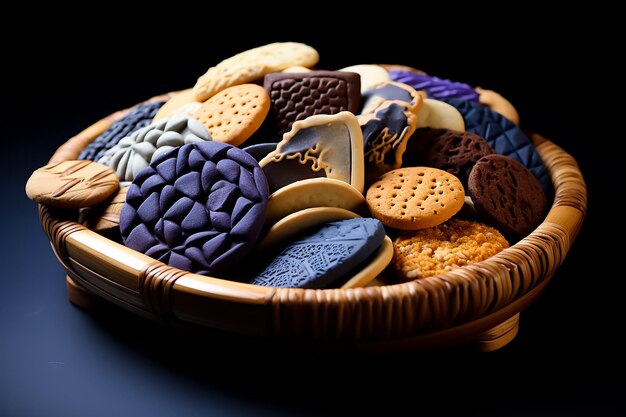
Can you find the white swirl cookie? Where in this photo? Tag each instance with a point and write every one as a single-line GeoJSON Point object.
{"type": "Point", "coordinates": [135, 152]}
{"type": "Point", "coordinates": [252, 65]}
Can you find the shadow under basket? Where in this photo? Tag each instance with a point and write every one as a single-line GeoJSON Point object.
{"type": "Point", "coordinates": [479, 303]}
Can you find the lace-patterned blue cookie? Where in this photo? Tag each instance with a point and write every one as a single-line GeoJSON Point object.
{"type": "Point", "coordinates": [137, 118]}
{"type": "Point", "coordinates": [199, 207]}
{"type": "Point", "coordinates": [323, 255]}
{"type": "Point", "coordinates": [504, 137]}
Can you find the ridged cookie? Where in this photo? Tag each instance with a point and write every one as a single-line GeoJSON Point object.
{"type": "Point", "coordinates": [415, 198]}
{"type": "Point", "coordinates": [234, 114]}
{"type": "Point", "coordinates": [252, 65]}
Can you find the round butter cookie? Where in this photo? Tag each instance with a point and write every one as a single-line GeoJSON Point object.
{"type": "Point", "coordinates": [415, 198]}
{"type": "Point", "coordinates": [439, 249]}
{"type": "Point", "coordinates": [182, 103]}
{"type": "Point", "coordinates": [234, 114]}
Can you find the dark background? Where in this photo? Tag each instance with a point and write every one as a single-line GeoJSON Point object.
{"type": "Point", "coordinates": [56, 359]}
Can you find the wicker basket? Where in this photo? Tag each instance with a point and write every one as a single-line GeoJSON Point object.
{"type": "Point", "coordinates": [479, 303]}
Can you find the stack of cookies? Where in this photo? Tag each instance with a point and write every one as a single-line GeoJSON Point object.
{"type": "Point", "coordinates": [275, 172]}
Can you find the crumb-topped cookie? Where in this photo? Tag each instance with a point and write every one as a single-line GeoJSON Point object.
{"type": "Point", "coordinates": [438, 249]}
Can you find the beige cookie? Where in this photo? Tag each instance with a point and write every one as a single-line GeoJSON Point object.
{"type": "Point", "coordinates": [182, 103]}
{"type": "Point", "coordinates": [234, 114]}
{"type": "Point", "coordinates": [104, 221]}
{"type": "Point", "coordinates": [72, 184]}
{"type": "Point", "coordinates": [415, 198]}
{"type": "Point", "coordinates": [297, 68]}
{"type": "Point", "coordinates": [439, 115]}
{"type": "Point", "coordinates": [252, 65]}
{"type": "Point", "coordinates": [439, 249]}
{"type": "Point", "coordinates": [313, 192]}
{"type": "Point", "coordinates": [498, 104]}
{"type": "Point", "coordinates": [367, 275]}
{"type": "Point", "coordinates": [299, 221]}
{"type": "Point", "coordinates": [394, 67]}
{"type": "Point", "coordinates": [371, 75]}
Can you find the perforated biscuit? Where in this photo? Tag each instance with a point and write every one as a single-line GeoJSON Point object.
{"type": "Point", "coordinates": [234, 114]}
{"type": "Point", "coordinates": [415, 198]}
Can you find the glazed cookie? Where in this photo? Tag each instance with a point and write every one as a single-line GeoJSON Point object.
{"type": "Point", "coordinates": [503, 136]}
{"type": "Point", "coordinates": [137, 118]}
{"type": "Point", "coordinates": [322, 146]}
{"type": "Point", "coordinates": [182, 103]}
{"type": "Point", "coordinates": [439, 115]}
{"type": "Point", "coordinates": [379, 94]}
{"type": "Point", "coordinates": [449, 150]}
{"type": "Point", "coordinates": [371, 75]}
{"type": "Point", "coordinates": [72, 184]}
{"type": "Point", "coordinates": [324, 255]}
{"type": "Point", "coordinates": [296, 96]}
{"type": "Point", "coordinates": [199, 208]}
{"type": "Point", "coordinates": [252, 65]}
{"type": "Point", "coordinates": [135, 152]}
{"type": "Point", "coordinates": [453, 244]}
{"type": "Point", "coordinates": [507, 194]}
{"type": "Point", "coordinates": [314, 192]}
{"type": "Point", "coordinates": [435, 87]}
{"type": "Point", "coordinates": [415, 198]}
{"type": "Point", "coordinates": [234, 114]}
{"type": "Point", "coordinates": [498, 104]}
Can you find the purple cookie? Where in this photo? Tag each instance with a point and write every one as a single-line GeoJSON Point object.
{"type": "Point", "coordinates": [435, 87]}
{"type": "Point", "coordinates": [199, 207]}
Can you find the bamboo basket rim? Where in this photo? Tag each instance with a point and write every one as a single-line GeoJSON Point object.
{"type": "Point", "coordinates": [153, 289]}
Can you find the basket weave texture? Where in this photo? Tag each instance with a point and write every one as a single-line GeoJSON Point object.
{"type": "Point", "coordinates": [463, 304]}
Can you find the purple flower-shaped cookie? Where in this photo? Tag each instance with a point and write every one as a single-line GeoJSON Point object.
{"type": "Point", "coordinates": [435, 87]}
{"type": "Point", "coordinates": [199, 207]}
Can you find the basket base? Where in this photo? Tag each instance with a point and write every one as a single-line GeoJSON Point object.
{"type": "Point", "coordinates": [488, 341]}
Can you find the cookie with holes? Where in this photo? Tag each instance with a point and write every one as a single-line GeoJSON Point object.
{"type": "Point", "coordinates": [199, 208]}
{"type": "Point", "coordinates": [506, 194]}
{"type": "Point", "coordinates": [415, 198]}
{"type": "Point", "coordinates": [296, 96]}
{"type": "Point", "coordinates": [504, 137]}
{"type": "Point", "coordinates": [234, 114]}
{"type": "Point", "coordinates": [137, 118]}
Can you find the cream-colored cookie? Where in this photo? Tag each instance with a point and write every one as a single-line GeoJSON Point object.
{"type": "Point", "coordinates": [374, 268]}
{"type": "Point", "coordinates": [182, 103]}
{"type": "Point", "coordinates": [72, 184]}
{"type": "Point", "coordinates": [299, 221]}
{"type": "Point", "coordinates": [439, 115]}
{"type": "Point", "coordinates": [297, 68]}
{"type": "Point", "coordinates": [313, 192]}
{"type": "Point", "coordinates": [455, 243]}
{"type": "Point", "coordinates": [371, 75]}
{"type": "Point", "coordinates": [498, 104]}
{"type": "Point", "coordinates": [234, 114]}
{"type": "Point", "coordinates": [252, 65]}
{"type": "Point", "coordinates": [415, 198]}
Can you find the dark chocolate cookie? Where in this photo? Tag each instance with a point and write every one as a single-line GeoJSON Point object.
{"type": "Point", "coordinates": [137, 118]}
{"type": "Point", "coordinates": [455, 152]}
{"type": "Point", "coordinates": [296, 96]}
{"type": "Point", "coordinates": [507, 194]}
{"type": "Point", "coordinates": [504, 137]}
{"type": "Point", "coordinates": [199, 207]}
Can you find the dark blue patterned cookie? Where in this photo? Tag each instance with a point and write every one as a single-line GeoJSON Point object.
{"type": "Point", "coordinates": [504, 137]}
{"type": "Point", "coordinates": [323, 255]}
{"type": "Point", "coordinates": [199, 207]}
{"type": "Point", "coordinates": [137, 118]}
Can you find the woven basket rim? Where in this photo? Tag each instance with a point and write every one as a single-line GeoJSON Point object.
{"type": "Point", "coordinates": [532, 259]}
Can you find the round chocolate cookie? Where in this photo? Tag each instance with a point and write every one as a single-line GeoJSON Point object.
{"type": "Point", "coordinates": [507, 194]}
{"type": "Point", "coordinates": [137, 118]}
{"type": "Point", "coordinates": [456, 152]}
{"type": "Point", "coordinates": [199, 207]}
{"type": "Point", "coordinates": [504, 137]}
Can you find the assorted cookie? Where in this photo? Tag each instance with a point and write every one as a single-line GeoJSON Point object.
{"type": "Point", "coordinates": [276, 173]}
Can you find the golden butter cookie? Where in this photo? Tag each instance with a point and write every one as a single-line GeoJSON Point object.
{"type": "Point", "coordinates": [72, 184]}
{"type": "Point", "coordinates": [234, 114]}
{"type": "Point", "coordinates": [450, 245]}
{"type": "Point", "coordinates": [415, 198]}
{"type": "Point", "coordinates": [106, 220]}
{"type": "Point", "coordinates": [252, 65]}
{"type": "Point", "coordinates": [182, 103]}
{"type": "Point", "coordinates": [498, 104]}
